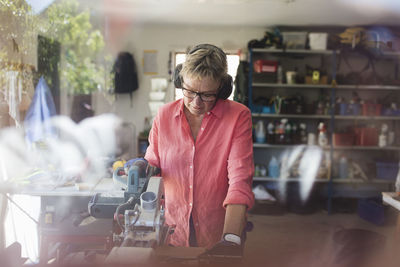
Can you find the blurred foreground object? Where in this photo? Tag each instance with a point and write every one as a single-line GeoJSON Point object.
{"type": "Point", "coordinates": [78, 151]}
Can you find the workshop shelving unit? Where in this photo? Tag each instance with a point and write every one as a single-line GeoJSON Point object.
{"type": "Point", "coordinates": [328, 59]}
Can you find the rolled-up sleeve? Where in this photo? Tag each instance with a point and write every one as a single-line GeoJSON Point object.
{"type": "Point", "coordinates": [152, 155]}
{"type": "Point", "coordinates": [241, 163]}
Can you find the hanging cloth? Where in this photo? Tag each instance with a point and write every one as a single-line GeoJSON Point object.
{"type": "Point", "coordinates": [41, 109]}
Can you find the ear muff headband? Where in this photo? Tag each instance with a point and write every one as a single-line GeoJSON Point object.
{"type": "Point", "coordinates": [207, 46]}
{"type": "Point", "coordinates": [177, 76]}
{"type": "Point", "coordinates": [227, 81]}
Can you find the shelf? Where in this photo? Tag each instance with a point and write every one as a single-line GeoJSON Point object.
{"type": "Point", "coordinates": [327, 86]}
{"type": "Point", "coordinates": [369, 87]}
{"type": "Point", "coordinates": [258, 84]}
{"type": "Point", "coordinates": [258, 145]}
{"type": "Point", "coordinates": [360, 181]}
{"type": "Point", "coordinates": [318, 52]}
{"type": "Point", "coordinates": [285, 85]}
{"type": "Point", "coordinates": [344, 117]}
{"type": "Point", "coordinates": [339, 117]}
{"type": "Point", "coordinates": [390, 54]}
{"type": "Point", "coordinates": [336, 180]}
{"type": "Point", "coordinates": [366, 148]}
{"type": "Point", "coordinates": [270, 179]}
{"type": "Point", "coordinates": [293, 116]}
{"type": "Point", "coordinates": [292, 51]}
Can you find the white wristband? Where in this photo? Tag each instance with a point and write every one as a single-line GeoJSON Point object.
{"type": "Point", "coordinates": [233, 238]}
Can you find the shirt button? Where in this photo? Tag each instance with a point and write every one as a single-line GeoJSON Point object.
{"type": "Point", "coordinates": [202, 128]}
{"type": "Point", "coordinates": [191, 166]}
{"type": "Point", "coordinates": [190, 187]}
{"type": "Point", "coordinates": [197, 224]}
{"type": "Point", "coordinates": [208, 113]}
{"type": "Point", "coordinates": [190, 204]}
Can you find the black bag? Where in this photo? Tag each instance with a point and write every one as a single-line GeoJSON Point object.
{"type": "Point", "coordinates": [125, 79]}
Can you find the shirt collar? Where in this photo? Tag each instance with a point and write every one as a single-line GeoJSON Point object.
{"type": "Point", "coordinates": [216, 110]}
{"type": "Point", "coordinates": [179, 108]}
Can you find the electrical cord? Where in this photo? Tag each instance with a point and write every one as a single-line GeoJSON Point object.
{"type": "Point", "coordinates": [126, 204]}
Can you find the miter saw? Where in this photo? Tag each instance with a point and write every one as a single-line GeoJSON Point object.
{"type": "Point", "coordinates": [138, 209]}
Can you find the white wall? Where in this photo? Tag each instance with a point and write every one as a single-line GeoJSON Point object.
{"type": "Point", "coordinates": [164, 39]}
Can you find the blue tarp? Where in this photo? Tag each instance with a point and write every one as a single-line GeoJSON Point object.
{"type": "Point", "coordinates": [41, 109]}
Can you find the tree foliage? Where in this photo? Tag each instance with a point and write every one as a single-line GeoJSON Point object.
{"type": "Point", "coordinates": [83, 60]}
{"type": "Point", "coordinates": [84, 65]}
{"type": "Point", "coordinates": [17, 29]}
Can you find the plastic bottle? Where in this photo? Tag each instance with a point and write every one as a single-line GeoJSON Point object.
{"type": "Point", "coordinates": [295, 134]}
{"type": "Point", "coordinates": [288, 133]}
{"type": "Point", "coordinates": [322, 137]}
{"type": "Point", "coordinates": [343, 168]}
{"type": "Point", "coordinates": [276, 137]}
{"type": "Point", "coordinates": [282, 127]}
{"type": "Point", "coordinates": [303, 133]}
{"type": "Point", "coordinates": [271, 133]}
{"type": "Point", "coordinates": [273, 168]}
{"type": "Point", "coordinates": [260, 132]}
{"type": "Point", "coordinates": [263, 170]}
{"type": "Point", "coordinates": [257, 170]}
{"type": "Point", "coordinates": [383, 137]}
{"type": "Point", "coordinates": [279, 74]}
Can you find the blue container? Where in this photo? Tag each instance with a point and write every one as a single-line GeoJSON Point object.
{"type": "Point", "coordinates": [372, 210]}
{"type": "Point", "coordinates": [268, 109]}
{"type": "Point", "coordinates": [387, 170]}
{"type": "Point", "coordinates": [260, 139]}
{"type": "Point", "coordinates": [273, 168]}
{"type": "Point", "coordinates": [354, 109]}
{"type": "Point", "coordinates": [343, 109]}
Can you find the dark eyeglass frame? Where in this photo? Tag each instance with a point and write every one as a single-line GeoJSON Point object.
{"type": "Point", "coordinates": [201, 95]}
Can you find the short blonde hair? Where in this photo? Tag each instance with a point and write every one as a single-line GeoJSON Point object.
{"type": "Point", "coordinates": [205, 61]}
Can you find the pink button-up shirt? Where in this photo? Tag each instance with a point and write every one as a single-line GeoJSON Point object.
{"type": "Point", "coordinates": [201, 177]}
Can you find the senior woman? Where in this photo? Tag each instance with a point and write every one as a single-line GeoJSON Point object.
{"type": "Point", "coordinates": [203, 146]}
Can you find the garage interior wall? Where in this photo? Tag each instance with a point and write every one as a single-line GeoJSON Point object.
{"type": "Point", "coordinates": [165, 39]}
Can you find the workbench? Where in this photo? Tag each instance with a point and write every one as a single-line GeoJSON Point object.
{"type": "Point", "coordinates": [64, 219]}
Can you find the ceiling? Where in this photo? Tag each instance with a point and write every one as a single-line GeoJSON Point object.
{"type": "Point", "coordinates": [251, 12]}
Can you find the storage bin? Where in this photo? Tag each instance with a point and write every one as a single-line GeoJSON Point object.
{"type": "Point", "coordinates": [264, 109]}
{"type": "Point", "coordinates": [353, 109]}
{"type": "Point", "coordinates": [294, 40]}
{"type": "Point", "coordinates": [371, 210]}
{"type": "Point", "coordinates": [349, 109]}
{"type": "Point", "coordinates": [370, 109]}
{"type": "Point", "coordinates": [265, 77]}
{"type": "Point", "coordinates": [366, 136]}
{"type": "Point", "coordinates": [387, 170]}
{"type": "Point", "coordinates": [343, 108]}
{"type": "Point", "coordinates": [269, 66]}
{"type": "Point", "coordinates": [318, 41]}
{"type": "Point", "coordinates": [343, 139]}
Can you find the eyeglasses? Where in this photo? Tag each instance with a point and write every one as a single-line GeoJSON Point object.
{"type": "Point", "coordinates": [206, 97]}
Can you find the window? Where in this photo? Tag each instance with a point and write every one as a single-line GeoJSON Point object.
{"type": "Point", "coordinates": [233, 63]}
